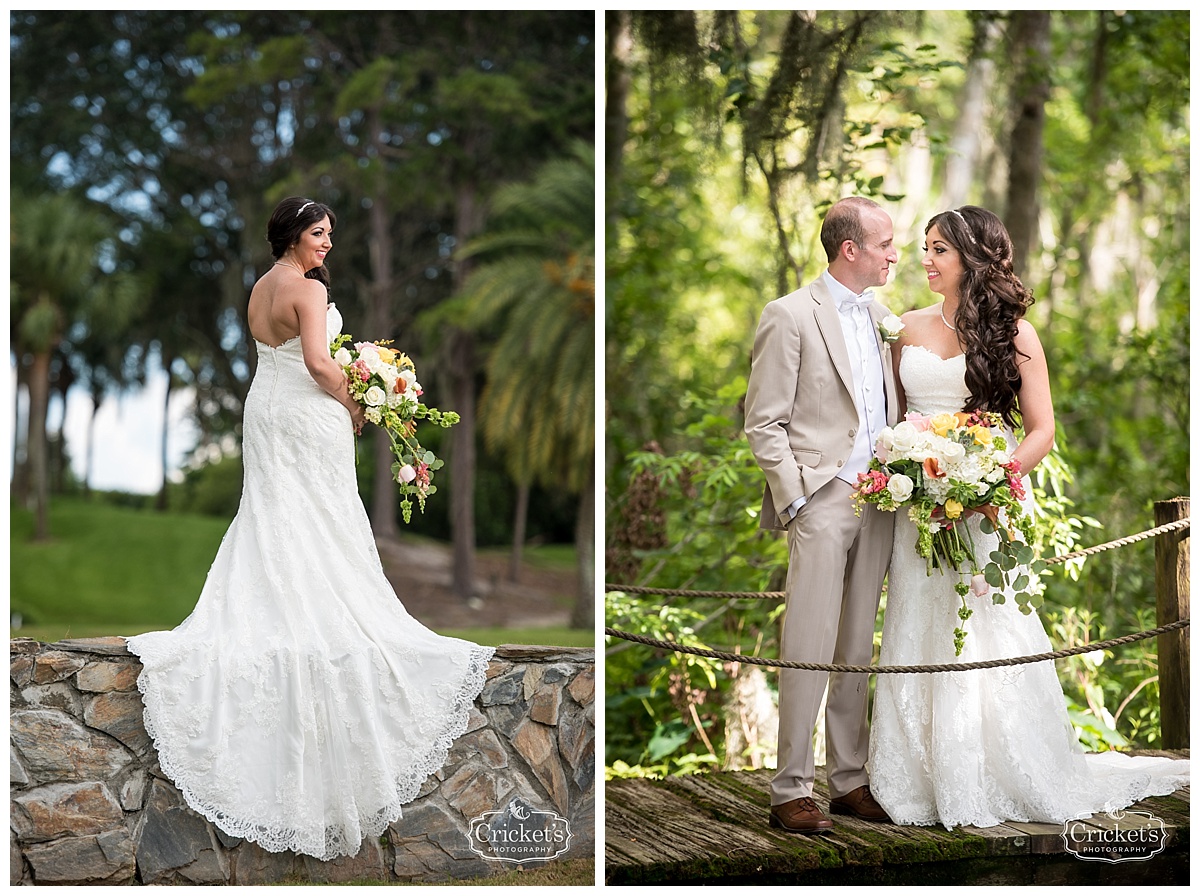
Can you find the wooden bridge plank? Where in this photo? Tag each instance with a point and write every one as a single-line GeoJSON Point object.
{"type": "Point", "coordinates": [663, 837]}
{"type": "Point", "coordinates": [711, 827]}
{"type": "Point", "coordinates": [1044, 839]}
{"type": "Point", "coordinates": [1001, 840]}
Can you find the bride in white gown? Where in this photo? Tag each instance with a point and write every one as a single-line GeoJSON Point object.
{"type": "Point", "coordinates": [299, 705]}
{"type": "Point", "coordinates": [985, 746]}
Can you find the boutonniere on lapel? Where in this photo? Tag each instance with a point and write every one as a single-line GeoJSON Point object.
{"type": "Point", "coordinates": [890, 327]}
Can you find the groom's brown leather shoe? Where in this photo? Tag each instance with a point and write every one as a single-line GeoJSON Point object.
{"type": "Point", "coordinates": [860, 804]}
{"type": "Point", "coordinates": [800, 816]}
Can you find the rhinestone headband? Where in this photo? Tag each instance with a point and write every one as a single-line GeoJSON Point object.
{"type": "Point", "coordinates": [303, 207]}
{"type": "Point", "coordinates": [970, 235]}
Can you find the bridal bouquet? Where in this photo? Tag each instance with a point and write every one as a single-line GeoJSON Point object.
{"type": "Point", "coordinates": [384, 381]}
{"type": "Point", "coordinates": [943, 468]}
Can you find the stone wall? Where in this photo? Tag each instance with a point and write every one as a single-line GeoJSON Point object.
{"type": "Point", "coordinates": [89, 804]}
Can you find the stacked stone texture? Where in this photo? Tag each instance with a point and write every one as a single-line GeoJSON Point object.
{"type": "Point", "coordinates": [90, 805]}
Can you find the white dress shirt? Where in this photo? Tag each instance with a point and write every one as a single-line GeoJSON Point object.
{"type": "Point", "coordinates": [866, 367]}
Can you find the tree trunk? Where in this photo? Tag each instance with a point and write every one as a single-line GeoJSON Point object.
{"type": "Point", "coordinates": [462, 463]}
{"type": "Point", "coordinates": [468, 220]}
{"type": "Point", "coordinates": [965, 145]}
{"type": "Point", "coordinates": [39, 401]}
{"type": "Point", "coordinates": [520, 520]}
{"type": "Point", "coordinates": [618, 33]}
{"type": "Point", "coordinates": [584, 613]}
{"type": "Point", "coordinates": [160, 503]}
{"type": "Point", "coordinates": [20, 460]}
{"type": "Point", "coordinates": [56, 441]}
{"type": "Point", "coordinates": [89, 455]}
{"type": "Point", "coordinates": [1031, 89]}
{"type": "Point", "coordinates": [384, 491]}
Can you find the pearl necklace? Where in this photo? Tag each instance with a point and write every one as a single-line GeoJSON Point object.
{"type": "Point", "coordinates": [943, 314]}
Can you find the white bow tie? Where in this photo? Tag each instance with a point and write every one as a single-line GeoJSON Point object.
{"type": "Point", "coordinates": [863, 301]}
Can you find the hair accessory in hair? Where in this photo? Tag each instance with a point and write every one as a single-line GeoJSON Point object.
{"type": "Point", "coordinates": [310, 202]}
{"type": "Point", "coordinates": [970, 235]}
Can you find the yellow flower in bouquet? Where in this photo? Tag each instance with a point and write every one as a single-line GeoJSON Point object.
{"type": "Point", "coordinates": [942, 423]}
{"type": "Point", "coordinates": [983, 435]}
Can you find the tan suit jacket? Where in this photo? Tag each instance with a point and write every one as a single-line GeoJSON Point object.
{"type": "Point", "coordinates": [801, 419]}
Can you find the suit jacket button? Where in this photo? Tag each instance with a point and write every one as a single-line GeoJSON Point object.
{"type": "Point", "coordinates": [839, 463]}
{"type": "Point", "coordinates": [852, 433]}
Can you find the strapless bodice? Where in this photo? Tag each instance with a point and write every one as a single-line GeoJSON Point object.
{"type": "Point", "coordinates": [933, 384]}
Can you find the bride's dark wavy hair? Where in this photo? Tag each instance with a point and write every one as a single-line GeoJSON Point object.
{"type": "Point", "coordinates": [291, 218]}
{"type": "Point", "coordinates": [991, 299]}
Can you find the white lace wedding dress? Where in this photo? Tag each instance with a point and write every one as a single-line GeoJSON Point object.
{"type": "Point", "coordinates": [985, 746]}
{"type": "Point", "coordinates": [299, 705]}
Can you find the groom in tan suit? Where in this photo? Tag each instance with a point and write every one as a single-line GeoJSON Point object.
{"type": "Point", "coordinates": [821, 389]}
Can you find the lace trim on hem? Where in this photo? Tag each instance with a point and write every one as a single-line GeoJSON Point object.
{"type": "Point", "coordinates": [336, 841]}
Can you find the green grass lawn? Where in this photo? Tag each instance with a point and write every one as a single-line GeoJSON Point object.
{"type": "Point", "coordinates": [107, 570]}
{"type": "Point", "coordinates": [111, 570]}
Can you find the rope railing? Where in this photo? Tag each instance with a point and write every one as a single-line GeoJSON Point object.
{"type": "Point", "coordinates": [944, 667]}
{"type": "Point", "coordinates": [778, 595]}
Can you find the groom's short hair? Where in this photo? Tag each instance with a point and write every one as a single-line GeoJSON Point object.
{"type": "Point", "coordinates": [844, 222]}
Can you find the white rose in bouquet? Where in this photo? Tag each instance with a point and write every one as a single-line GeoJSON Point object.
{"type": "Point", "coordinates": [905, 438]}
{"type": "Point", "coordinates": [375, 397]}
{"type": "Point", "coordinates": [342, 357]}
{"type": "Point", "coordinates": [901, 487]}
{"type": "Point", "coordinates": [950, 452]}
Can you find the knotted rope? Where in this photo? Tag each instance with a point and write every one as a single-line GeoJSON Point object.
{"type": "Point", "coordinates": [945, 667]}
{"type": "Point", "coordinates": [779, 595]}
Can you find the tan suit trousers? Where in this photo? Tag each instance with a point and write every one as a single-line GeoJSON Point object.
{"type": "Point", "coordinates": [836, 565]}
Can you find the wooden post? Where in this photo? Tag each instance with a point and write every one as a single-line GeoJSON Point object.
{"type": "Point", "coordinates": [1171, 577]}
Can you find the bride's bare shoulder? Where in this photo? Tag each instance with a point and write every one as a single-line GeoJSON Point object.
{"type": "Point", "coordinates": [920, 319]}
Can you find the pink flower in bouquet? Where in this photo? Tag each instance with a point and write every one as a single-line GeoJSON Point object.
{"type": "Point", "coordinates": [919, 421]}
{"type": "Point", "coordinates": [360, 368]}
{"type": "Point", "coordinates": [406, 473]}
{"type": "Point", "coordinates": [1012, 470]}
{"type": "Point", "coordinates": [979, 585]}
{"type": "Point", "coordinates": [872, 482]}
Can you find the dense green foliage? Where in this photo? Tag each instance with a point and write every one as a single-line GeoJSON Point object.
{"type": "Point", "coordinates": [731, 150]}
